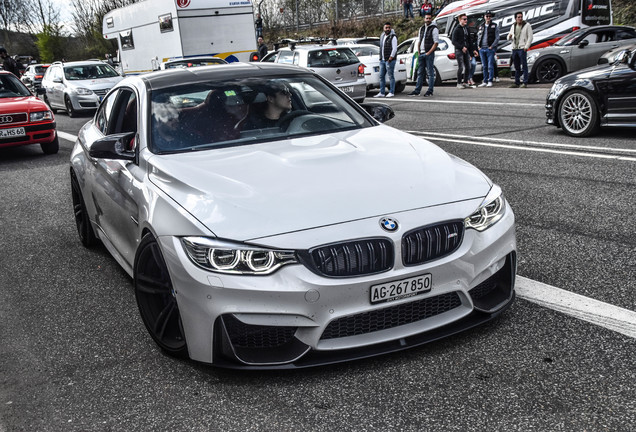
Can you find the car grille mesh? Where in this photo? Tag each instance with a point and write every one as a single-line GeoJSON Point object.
{"type": "Point", "coordinates": [101, 92]}
{"type": "Point", "coordinates": [484, 288]}
{"type": "Point", "coordinates": [7, 119]}
{"type": "Point", "coordinates": [255, 336]}
{"type": "Point", "coordinates": [353, 258]}
{"type": "Point", "coordinates": [382, 319]}
{"type": "Point", "coordinates": [431, 242]}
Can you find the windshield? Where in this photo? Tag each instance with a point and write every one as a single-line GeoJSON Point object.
{"type": "Point", "coordinates": [85, 72]}
{"type": "Point", "coordinates": [331, 57]}
{"type": "Point", "coordinates": [366, 51]}
{"type": "Point", "coordinates": [568, 39]}
{"type": "Point", "coordinates": [11, 86]}
{"type": "Point", "coordinates": [234, 112]}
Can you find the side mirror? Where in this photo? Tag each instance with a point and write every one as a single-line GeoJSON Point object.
{"type": "Point", "coordinates": [584, 43]}
{"type": "Point", "coordinates": [379, 111]}
{"type": "Point", "coordinates": [114, 147]}
{"type": "Point", "coordinates": [57, 80]}
{"type": "Point", "coordinates": [40, 91]}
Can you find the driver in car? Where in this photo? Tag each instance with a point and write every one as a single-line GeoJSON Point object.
{"type": "Point", "coordinates": [278, 103]}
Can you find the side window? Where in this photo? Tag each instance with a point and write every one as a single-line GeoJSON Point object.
{"type": "Point", "coordinates": [443, 46]}
{"type": "Point", "coordinates": [285, 57]}
{"type": "Point", "coordinates": [296, 60]}
{"type": "Point", "coordinates": [126, 39]}
{"type": "Point", "coordinates": [103, 116]}
{"type": "Point", "coordinates": [625, 34]}
{"type": "Point", "coordinates": [403, 47]}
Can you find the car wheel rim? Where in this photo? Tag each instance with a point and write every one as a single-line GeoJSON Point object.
{"type": "Point", "coordinates": [156, 299]}
{"type": "Point", "coordinates": [549, 71]}
{"type": "Point", "coordinates": [69, 107]}
{"type": "Point", "coordinates": [576, 113]}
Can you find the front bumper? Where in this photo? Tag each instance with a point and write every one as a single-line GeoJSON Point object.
{"type": "Point", "coordinates": [296, 318]}
{"type": "Point", "coordinates": [43, 133]}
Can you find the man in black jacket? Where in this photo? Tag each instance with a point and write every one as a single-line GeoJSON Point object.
{"type": "Point", "coordinates": [461, 42]}
{"type": "Point", "coordinates": [8, 63]}
{"type": "Point", "coordinates": [427, 42]}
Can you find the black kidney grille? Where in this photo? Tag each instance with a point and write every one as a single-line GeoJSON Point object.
{"type": "Point", "coordinates": [431, 242]}
{"type": "Point", "coordinates": [382, 319]}
{"type": "Point", "coordinates": [253, 336]}
{"type": "Point", "coordinates": [353, 258]}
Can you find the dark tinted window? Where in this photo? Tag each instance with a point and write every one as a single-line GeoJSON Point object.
{"type": "Point", "coordinates": [625, 34]}
{"type": "Point", "coordinates": [11, 86]}
{"type": "Point", "coordinates": [331, 57]}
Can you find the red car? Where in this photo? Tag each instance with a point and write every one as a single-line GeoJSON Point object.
{"type": "Point", "coordinates": [24, 119]}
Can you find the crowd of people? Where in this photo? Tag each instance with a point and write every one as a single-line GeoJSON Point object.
{"type": "Point", "coordinates": [469, 46]}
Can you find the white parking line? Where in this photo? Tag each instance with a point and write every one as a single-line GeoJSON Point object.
{"type": "Point", "coordinates": [584, 308]}
{"type": "Point", "coordinates": [534, 143]}
{"type": "Point", "coordinates": [534, 149]}
{"type": "Point", "coordinates": [66, 136]}
{"type": "Point", "coordinates": [463, 102]}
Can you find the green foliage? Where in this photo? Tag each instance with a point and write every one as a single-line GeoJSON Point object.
{"type": "Point", "coordinates": [51, 44]}
{"type": "Point", "coordinates": [624, 12]}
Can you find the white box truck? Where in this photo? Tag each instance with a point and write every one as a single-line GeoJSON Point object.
{"type": "Point", "coordinates": [154, 31]}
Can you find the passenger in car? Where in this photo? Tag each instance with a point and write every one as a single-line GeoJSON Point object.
{"type": "Point", "coordinates": [277, 103]}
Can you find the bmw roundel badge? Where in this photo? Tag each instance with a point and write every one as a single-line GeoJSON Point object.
{"type": "Point", "coordinates": [389, 224]}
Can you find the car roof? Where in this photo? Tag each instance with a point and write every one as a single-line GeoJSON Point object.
{"type": "Point", "coordinates": [361, 45]}
{"type": "Point", "coordinates": [194, 59]}
{"type": "Point", "coordinates": [238, 70]}
{"type": "Point", "coordinates": [79, 63]}
{"type": "Point", "coordinates": [315, 47]}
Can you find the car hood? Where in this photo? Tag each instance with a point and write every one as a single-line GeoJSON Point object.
{"type": "Point", "coordinates": [591, 73]}
{"type": "Point", "coordinates": [96, 84]}
{"type": "Point", "coordinates": [21, 104]}
{"type": "Point", "coordinates": [259, 190]}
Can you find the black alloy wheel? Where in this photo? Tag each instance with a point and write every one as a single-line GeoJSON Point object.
{"type": "Point", "coordinates": [52, 147]}
{"type": "Point", "coordinates": [84, 228]}
{"type": "Point", "coordinates": [156, 298]}
{"type": "Point", "coordinates": [549, 70]}
{"type": "Point", "coordinates": [69, 107]}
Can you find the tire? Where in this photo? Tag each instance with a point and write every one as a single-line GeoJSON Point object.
{"type": "Point", "coordinates": [399, 87]}
{"type": "Point", "coordinates": [69, 107]}
{"type": "Point", "coordinates": [83, 223]}
{"type": "Point", "coordinates": [46, 101]}
{"type": "Point", "coordinates": [156, 299]}
{"type": "Point", "coordinates": [549, 70]}
{"type": "Point", "coordinates": [438, 78]}
{"type": "Point", "coordinates": [578, 114]}
{"type": "Point", "coordinates": [51, 148]}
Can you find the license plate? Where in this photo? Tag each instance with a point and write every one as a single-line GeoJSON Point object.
{"type": "Point", "coordinates": [347, 89]}
{"type": "Point", "coordinates": [398, 289]}
{"type": "Point", "coordinates": [376, 68]}
{"type": "Point", "coordinates": [14, 132]}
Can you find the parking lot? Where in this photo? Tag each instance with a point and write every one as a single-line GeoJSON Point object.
{"type": "Point", "coordinates": [74, 354]}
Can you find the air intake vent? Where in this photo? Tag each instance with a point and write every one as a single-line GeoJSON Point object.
{"type": "Point", "coordinates": [355, 258]}
{"type": "Point", "coordinates": [382, 319]}
{"type": "Point", "coordinates": [431, 242]}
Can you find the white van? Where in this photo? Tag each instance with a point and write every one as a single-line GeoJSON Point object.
{"type": "Point", "coordinates": [154, 31]}
{"type": "Point", "coordinates": [550, 19]}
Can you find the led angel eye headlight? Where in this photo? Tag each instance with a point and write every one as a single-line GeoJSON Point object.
{"type": "Point", "coordinates": [491, 210]}
{"type": "Point", "coordinates": [231, 258]}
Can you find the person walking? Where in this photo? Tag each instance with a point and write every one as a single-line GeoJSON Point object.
{"type": "Point", "coordinates": [388, 53]}
{"type": "Point", "coordinates": [408, 8]}
{"type": "Point", "coordinates": [262, 48]}
{"type": "Point", "coordinates": [427, 41]}
{"type": "Point", "coordinates": [488, 39]}
{"type": "Point", "coordinates": [521, 36]}
{"type": "Point", "coordinates": [8, 63]}
{"type": "Point", "coordinates": [461, 42]}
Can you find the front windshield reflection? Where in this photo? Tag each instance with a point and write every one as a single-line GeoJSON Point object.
{"type": "Point", "coordinates": [238, 112]}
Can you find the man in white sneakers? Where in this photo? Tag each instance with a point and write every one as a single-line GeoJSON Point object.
{"type": "Point", "coordinates": [487, 40]}
{"type": "Point", "coordinates": [388, 53]}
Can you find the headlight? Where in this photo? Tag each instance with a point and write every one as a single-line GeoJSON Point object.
{"type": "Point", "coordinates": [230, 258]}
{"type": "Point", "coordinates": [40, 115]}
{"type": "Point", "coordinates": [489, 212]}
{"type": "Point", "coordinates": [81, 91]}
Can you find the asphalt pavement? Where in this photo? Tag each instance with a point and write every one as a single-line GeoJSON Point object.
{"type": "Point", "coordinates": [75, 356]}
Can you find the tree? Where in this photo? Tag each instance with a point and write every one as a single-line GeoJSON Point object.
{"type": "Point", "coordinates": [51, 44]}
